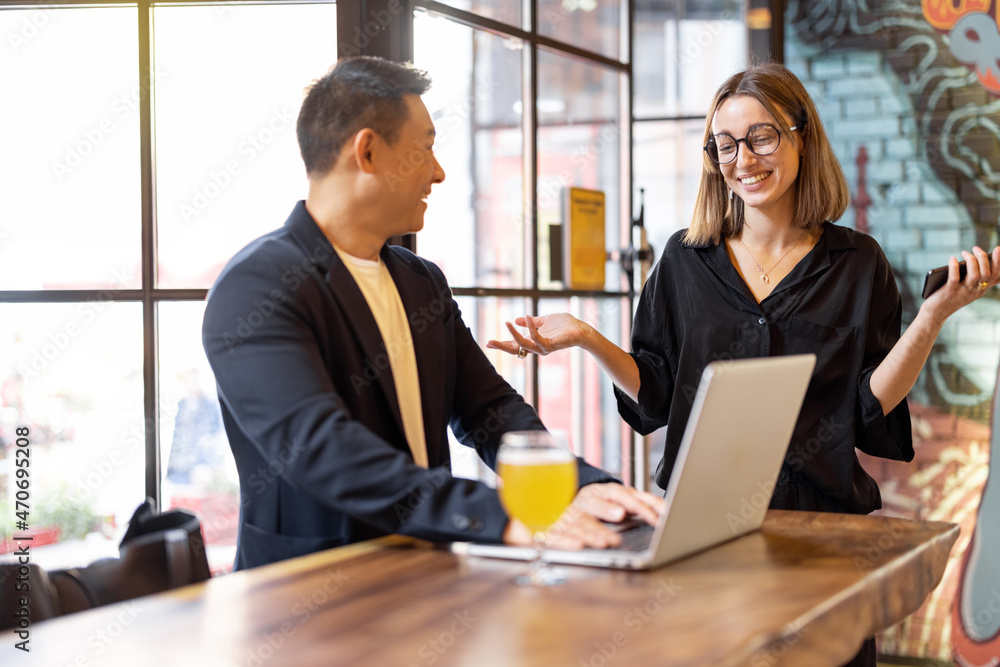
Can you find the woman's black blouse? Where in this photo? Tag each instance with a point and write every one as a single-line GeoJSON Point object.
{"type": "Point", "coordinates": [840, 302]}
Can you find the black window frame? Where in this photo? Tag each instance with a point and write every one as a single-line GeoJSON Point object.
{"type": "Point", "coordinates": [393, 40]}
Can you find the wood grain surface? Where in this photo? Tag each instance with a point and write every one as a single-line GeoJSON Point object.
{"type": "Point", "coordinates": [805, 590]}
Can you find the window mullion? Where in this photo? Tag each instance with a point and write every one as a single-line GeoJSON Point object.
{"type": "Point", "coordinates": [148, 221]}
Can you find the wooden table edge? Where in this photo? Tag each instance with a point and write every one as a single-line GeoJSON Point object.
{"type": "Point", "coordinates": [792, 642]}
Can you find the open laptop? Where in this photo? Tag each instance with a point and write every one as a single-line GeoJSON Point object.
{"type": "Point", "coordinates": [740, 426]}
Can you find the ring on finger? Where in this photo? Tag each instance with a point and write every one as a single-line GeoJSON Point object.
{"type": "Point", "coordinates": [982, 285]}
{"type": "Point", "coordinates": [521, 353]}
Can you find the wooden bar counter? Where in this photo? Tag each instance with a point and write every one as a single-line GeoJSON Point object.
{"type": "Point", "coordinates": [805, 590]}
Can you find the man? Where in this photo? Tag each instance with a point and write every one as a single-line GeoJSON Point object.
{"type": "Point", "coordinates": [341, 361]}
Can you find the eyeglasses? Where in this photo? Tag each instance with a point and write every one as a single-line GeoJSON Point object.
{"type": "Point", "coordinates": [762, 140]}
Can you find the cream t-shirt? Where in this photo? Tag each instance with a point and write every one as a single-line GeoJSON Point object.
{"type": "Point", "coordinates": [380, 292]}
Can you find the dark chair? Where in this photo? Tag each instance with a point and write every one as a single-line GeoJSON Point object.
{"type": "Point", "coordinates": [158, 552]}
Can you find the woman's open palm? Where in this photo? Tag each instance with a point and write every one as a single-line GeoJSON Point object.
{"type": "Point", "coordinates": [546, 333]}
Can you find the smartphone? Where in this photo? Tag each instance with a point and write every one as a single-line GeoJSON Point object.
{"type": "Point", "coordinates": [939, 276]}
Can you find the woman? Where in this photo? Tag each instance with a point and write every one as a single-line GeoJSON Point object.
{"type": "Point", "coordinates": [763, 272]}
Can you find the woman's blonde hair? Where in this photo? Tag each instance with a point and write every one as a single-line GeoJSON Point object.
{"type": "Point", "coordinates": [820, 190]}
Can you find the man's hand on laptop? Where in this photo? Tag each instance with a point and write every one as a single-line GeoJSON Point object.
{"type": "Point", "coordinates": [581, 525]}
{"type": "Point", "coordinates": [614, 502]}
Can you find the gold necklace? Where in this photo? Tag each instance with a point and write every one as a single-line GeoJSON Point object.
{"type": "Point", "coordinates": [763, 273]}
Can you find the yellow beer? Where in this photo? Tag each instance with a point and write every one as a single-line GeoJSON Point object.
{"type": "Point", "coordinates": [537, 484]}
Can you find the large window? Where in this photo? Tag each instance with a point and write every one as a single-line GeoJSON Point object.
{"type": "Point", "coordinates": [524, 112]}
{"type": "Point", "coordinates": [145, 143]}
{"type": "Point", "coordinates": [134, 172]}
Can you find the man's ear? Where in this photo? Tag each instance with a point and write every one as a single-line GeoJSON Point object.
{"type": "Point", "coordinates": [364, 148]}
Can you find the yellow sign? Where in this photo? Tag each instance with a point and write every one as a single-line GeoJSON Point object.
{"type": "Point", "coordinates": [583, 239]}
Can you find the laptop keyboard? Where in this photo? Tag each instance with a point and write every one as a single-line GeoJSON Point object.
{"type": "Point", "coordinates": [636, 539]}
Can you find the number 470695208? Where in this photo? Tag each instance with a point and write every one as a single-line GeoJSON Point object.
{"type": "Point", "coordinates": [22, 461]}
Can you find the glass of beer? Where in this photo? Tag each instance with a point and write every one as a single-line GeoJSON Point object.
{"type": "Point", "coordinates": [538, 481]}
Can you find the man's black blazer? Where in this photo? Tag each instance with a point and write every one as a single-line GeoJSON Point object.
{"type": "Point", "coordinates": [310, 407]}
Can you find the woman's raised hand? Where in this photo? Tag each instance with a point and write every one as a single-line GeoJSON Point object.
{"type": "Point", "coordinates": [982, 273]}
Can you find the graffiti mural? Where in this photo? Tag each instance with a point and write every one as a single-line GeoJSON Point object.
{"type": "Point", "coordinates": [975, 42]}
{"type": "Point", "coordinates": [921, 147]}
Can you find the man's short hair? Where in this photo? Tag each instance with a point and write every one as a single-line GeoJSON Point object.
{"type": "Point", "coordinates": [358, 92]}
